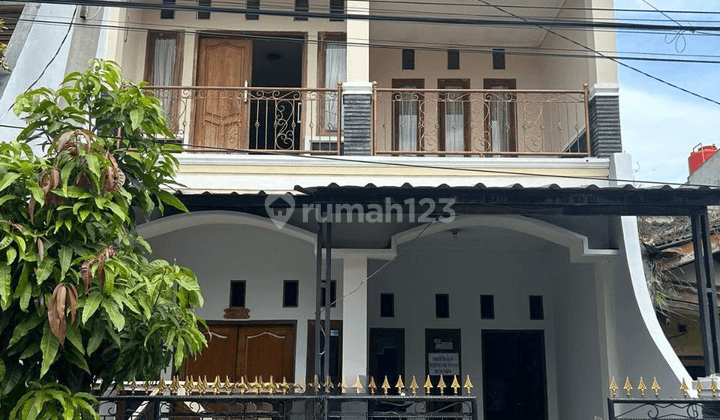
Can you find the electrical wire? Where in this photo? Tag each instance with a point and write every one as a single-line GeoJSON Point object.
{"type": "Point", "coordinates": [619, 62]}
{"type": "Point", "coordinates": [410, 165]}
{"type": "Point", "coordinates": [523, 22]}
{"type": "Point", "coordinates": [423, 46]}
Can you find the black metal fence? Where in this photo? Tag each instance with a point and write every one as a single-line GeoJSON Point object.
{"type": "Point", "coordinates": [286, 407]}
{"type": "Point", "coordinates": [665, 409]}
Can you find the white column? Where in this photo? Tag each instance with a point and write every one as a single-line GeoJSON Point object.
{"type": "Point", "coordinates": [358, 37]}
{"type": "Point", "coordinates": [355, 345]}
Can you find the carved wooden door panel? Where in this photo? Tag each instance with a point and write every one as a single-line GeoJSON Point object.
{"type": "Point", "coordinates": [221, 116]}
{"type": "Point", "coordinates": [265, 350]}
{"type": "Point", "coordinates": [218, 358]}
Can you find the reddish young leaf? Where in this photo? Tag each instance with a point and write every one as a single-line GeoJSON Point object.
{"type": "Point", "coordinates": [56, 312]}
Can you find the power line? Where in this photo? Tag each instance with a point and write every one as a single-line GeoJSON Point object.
{"type": "Point", "coordinates": [370, 17]}
{"type": "Point", "coordinates": [410, 165]}
{"type": "Point", "coordinates": [427, 46]}
{"type": "Point", "coordinates": [619, 62]}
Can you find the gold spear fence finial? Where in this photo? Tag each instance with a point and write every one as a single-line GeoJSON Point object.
{"type": "Point", "coordinates": [414, 385]}
{"type": "Point", "coordinates": [400, 385]}
{"type": "Point", "coordinates": [468, 385]}
{"type": "Point", "coordinates": [655, 387]}
{"type": "Point", "coordinates": [613, 387]}
{"type": "Point", "coordinates": [628, 386]}
{"type": "Point", "coordinates": [455, 385]}
{"type": "Point", "coordinates": [684, 388]}
{"type": "Point", "coordinates": [642, 387]}
{"type": "Point", "coordinates": [428, 385]}
{"type": "Point", "coordinates": [385, 385]}
{"type": "Point", "coordinates": [371, 386]}
{"type": "Point", "coordinates": [441, 385]}
{"type": "Point", "coordinates": [713, 387]}
{"type": "Point", "coordinates": [357, 386]}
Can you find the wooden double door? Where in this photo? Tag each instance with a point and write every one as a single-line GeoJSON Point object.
{"type": "Point", "coordinates": [243, 349]}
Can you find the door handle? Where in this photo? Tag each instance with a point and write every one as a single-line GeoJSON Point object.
{"type": "Point", "coordinates": [245, 92]}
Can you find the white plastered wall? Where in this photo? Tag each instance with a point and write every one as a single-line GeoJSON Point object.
{"type": "Point", "coordinates": [223, 246]}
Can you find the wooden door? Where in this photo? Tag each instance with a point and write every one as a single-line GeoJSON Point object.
{"type": "Point", "coordinates": [218, 358]}
{"type": "Point", "coordinates": [387, 355]}
{"type": "Point", "coordinates": [221, 116]}
{"type": "Point", "coordinates": [265, 350]}
{"type": "Point", "coordinates": [237, 350]}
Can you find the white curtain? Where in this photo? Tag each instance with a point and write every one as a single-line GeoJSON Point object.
{"type": "Point", "coordinates": [499, 122]}
{"type": "Point", "coordinates": [454, 121]}
{"type": "Point", "coordinates": [163, 71]}
{"type": "Point", "coordinates": [335, 71]}
{"type": "Point", "coordinates": [408, 123]}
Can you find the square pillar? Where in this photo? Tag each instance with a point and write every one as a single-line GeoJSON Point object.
{"type": "Point", "coordinates": [358, 48]}
{"type": "Point", "coordinates": [355, 344]}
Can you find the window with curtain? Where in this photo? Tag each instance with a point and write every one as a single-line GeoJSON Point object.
{"type": "Point", "coordinates": [453, 108]}
{"type": "Point", "coordinates": [501, 116]}
{"type": "Point", "coordinates": [162, 68]}
{"type": "Point", "coordinates": [407, 120]}
{"type": "Point", "coordinates": [334, 66]}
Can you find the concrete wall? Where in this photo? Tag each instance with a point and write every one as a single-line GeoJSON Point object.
{"type": "Point", "coordinates": [220, 253]}
{"type": "Point", "coordinates": [572, 350]}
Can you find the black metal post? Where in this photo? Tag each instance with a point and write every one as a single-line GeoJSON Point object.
{"type": "Point", "coordinates": [328, 297]}
{"type": "Point", "coordinates": [707, 295]}
{"type": "Point", "coordinates": [318, 297]}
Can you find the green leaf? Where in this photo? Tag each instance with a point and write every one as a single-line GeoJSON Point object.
{"type": "Point", "coordinates": [26, 294]}
{"type": "Point", "coordinates": [12, 378]}
{"type": "Point", "coordinates": [11, 254]}
{"type": "Point", "coordinates": [49, 346]}
{"type": "Point", "coordinates": [171, 200]}
{"type": "Point", "coordinates": [5, 287]}
{"type": "Point", "coordinates": [72, 333]}
{"type": "Point", "coordinates": [116, 209]}
{"type": "Point", "coordinates": [91, 305]}
{"type": "Point", "coordinates": [136, 115]}
{"type": "Point", "coordinates": [7, 240]}
{"type": "Point", "coordinates": [76, 360]}
{"type": "Point", "coordinates": [38, 194]}
{"type": "Point", "coordinates": [45, 269]}
{"type": "Point", "coordinates": [117, 319]}
{"type": "Point", "coordinates": [30, 350]}
{"type": "Point", "coordinates": [95, 340]}
{"type": "Point", "coordinates": [65, 255]}
{"type": "Point", "coordinates": [2, 370]}
{"type": "Point", "coordinates": [6, 198]}
{"type": "Point", "coordinates": [27, 325]}
{"type": "Point", "coordinates": [93, 165]}
{"type": "Point", "coordinates": [8, 179]}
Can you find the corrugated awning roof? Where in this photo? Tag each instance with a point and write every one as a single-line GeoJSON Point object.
{"type": "Point", "coordinates": [481, 199]}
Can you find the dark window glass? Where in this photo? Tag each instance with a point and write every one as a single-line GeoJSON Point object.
{"type": "Point", "coordinates": [337, 7]}
{"type": "Point", "coordinates": [487, 306]}
{"type": "Point", "coordinates": [167, 13]}
{"type": "Point", "coordinates": [442, 306]}
{"type": "Point", "coordinates": [252, 5]}
{"type": "Point", "coordinates": [453, 59]}
{"type": "Point", "coordinates": [237, 293]}
{"type": "Point", "coordinates": [536, 308]}
{"type": "Point", "coordinates": [333, 294]}
{"type": "Point", "coordinates": [498, 59]}
{"type": "Point", "coordinates": [408, 59]}
{"type": "Point", "coordinates": [302, 6]}
{"type": "Point", "coordinates": [387, 305]}
{"type": "Point", "coordinates": [204, 14]}
{"type": "Point", "coordinates": [291, 289]}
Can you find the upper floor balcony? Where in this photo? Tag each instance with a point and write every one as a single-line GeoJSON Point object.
{"type": "Point", "coordinates": [252, 84]}
{"type": "Point", "coordinates": [402, 121]}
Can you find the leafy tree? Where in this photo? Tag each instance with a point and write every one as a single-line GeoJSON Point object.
{"type": "Point", "coordinates": [80, 301]}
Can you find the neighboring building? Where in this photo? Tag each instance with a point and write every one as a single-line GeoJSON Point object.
{"type": "Point", "coordinates": [541, 301]}
{"type": "Point", "coordinates": [670, 271]}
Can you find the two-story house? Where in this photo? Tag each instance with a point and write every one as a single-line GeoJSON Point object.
{"type": "Point", "coordinates": [415, 103]}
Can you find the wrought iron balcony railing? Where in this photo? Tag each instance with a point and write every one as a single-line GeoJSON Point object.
{"type": "Point", "coordinates": [474, 122]}
{"type": "Point", "coordinates": [237, 119]}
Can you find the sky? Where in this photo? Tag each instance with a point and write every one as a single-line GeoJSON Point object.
{"type": "Point", "coordinates": [661, 125]}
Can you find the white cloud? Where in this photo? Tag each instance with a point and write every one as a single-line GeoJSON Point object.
{"type": "Point", "coordinates": [659, 131]}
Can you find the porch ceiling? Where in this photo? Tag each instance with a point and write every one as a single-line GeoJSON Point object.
{"type": "Point", "coordinates": [497, 36]}
{"type": "Point", "coordinates": [481, 238]}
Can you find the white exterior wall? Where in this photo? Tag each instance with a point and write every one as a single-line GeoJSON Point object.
{"type": "Point", "coordinates": [261, 257]}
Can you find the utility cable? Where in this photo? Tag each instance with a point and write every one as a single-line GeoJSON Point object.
{"type": "Point", "coordinates": [619, 62]}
